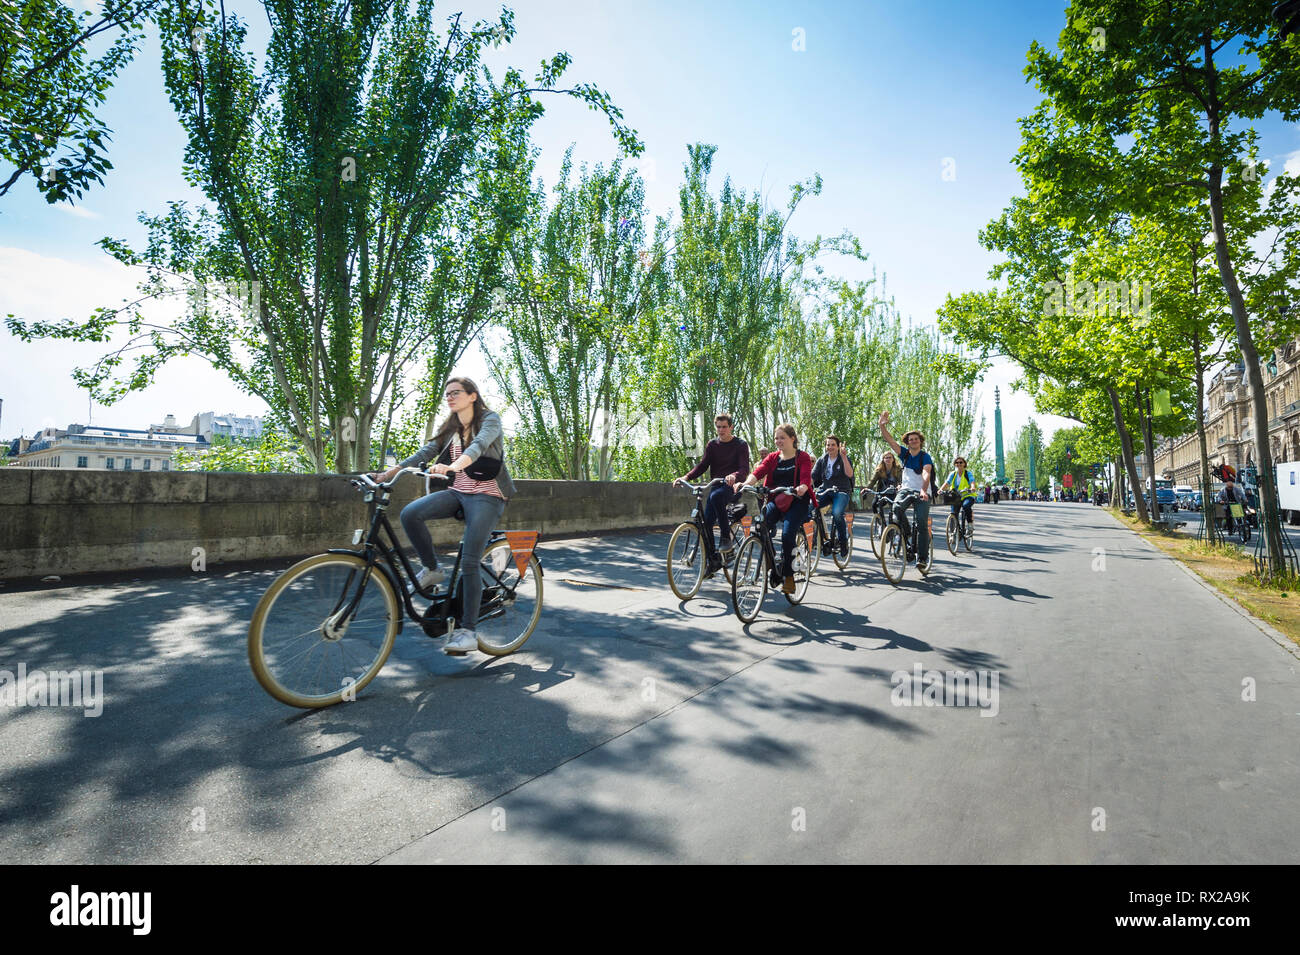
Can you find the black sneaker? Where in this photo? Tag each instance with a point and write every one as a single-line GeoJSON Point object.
{"type": "Point", "coordinates": [727, 545]}
{"type": "Point", "coordinates": [826, 549]}
{"type": "Point", "coordinates": [776, 578]}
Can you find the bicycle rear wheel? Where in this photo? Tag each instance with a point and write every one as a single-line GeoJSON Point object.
{"type": "Point", "coordinates": [802, 564]}
{"type": "Point", "coordinates": [685, 561]}
{"type": "Point", "coordinates": [877, 529]}
{"type": "Point", "coordinates": [893, 554]}
{"type": "Point", "coordinates": [511, 608]}
{"type": "Point", "coordinates": [950, 531]}
{"type": "Point", "coordinates": [749, 585]}
{"type": "Point", "coordinates": [323, 630]}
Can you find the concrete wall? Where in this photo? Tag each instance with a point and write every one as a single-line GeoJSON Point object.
{"type": "Point", "coordinates": [69, 522]}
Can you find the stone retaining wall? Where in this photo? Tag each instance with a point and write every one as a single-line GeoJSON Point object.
{"type": "Point", "coordinates": [67, 522]}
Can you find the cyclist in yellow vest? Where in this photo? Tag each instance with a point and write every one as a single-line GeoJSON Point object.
{"type": "Point", "coordinates": [960, 480]}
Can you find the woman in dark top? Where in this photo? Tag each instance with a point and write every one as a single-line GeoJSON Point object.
{"type": "Point", "coordinates": [786, 467]}
{"type": "Point", "coordinates": [833, 474]}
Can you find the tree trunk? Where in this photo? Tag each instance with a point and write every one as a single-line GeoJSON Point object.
{"type": "Point", "coordinates": [1269, 523]}
{"type": "Point", "coordinates": [1144, 418]}
{"type": "Point", "coordinates": [1130, 465]}
{"type": "Point", "coordinates": [1207, 506]}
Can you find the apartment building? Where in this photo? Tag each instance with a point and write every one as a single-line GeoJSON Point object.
{"type": "Point", "coordinates": [106, 449]}
{"type": "Point", "coordinates": [1229, 432]}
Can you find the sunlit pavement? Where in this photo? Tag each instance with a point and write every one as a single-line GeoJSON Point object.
{"type": "Point", "coordinates": [1128, 715]}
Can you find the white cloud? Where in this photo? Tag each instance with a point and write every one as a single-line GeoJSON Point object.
{"type": "Point", "coordinates": [79, 211]}
{"type": "Point", "coordinates": [37, 387]}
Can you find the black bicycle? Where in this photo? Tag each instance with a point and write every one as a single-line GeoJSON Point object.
{"type": "Point", "coordinates": [878, 502]}
{"type": "Point", "coordinates": [325, 627]}
{"type": "Point", "coordinates": [686, 553]}
{"type": "Point", "coordinates": [898, 542]}
{"type": "Point", "coordinates": [957, 528]}
{"type": "Point", "coordinates": [822, 544]}
{"type": "Point", "coordinates": [756, 562]}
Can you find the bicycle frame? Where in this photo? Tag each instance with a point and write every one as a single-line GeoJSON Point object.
{"type": "Point", "coordinates": [386, 555]}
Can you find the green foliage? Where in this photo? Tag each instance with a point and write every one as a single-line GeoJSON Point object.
{"type": "Point", "coordinates": [50, 89]}
{"type": "Point", "coordinates": [578, 298]}
{"type": "Point", "coordinates": [273, 452]}
{"type": "Point", "coordinates": [657, 463]}
{"type": "Point", "coordinates": [361, 185]}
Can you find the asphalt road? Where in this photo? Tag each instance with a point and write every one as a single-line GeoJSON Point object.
{"type": "Point", "coordinates": [633, 728]}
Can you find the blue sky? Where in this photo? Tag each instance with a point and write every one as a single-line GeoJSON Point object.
{"type": "Point", "coordinates": [881, 95]}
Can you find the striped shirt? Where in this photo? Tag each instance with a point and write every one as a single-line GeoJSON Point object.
{"type": "Point", "coordinates": [466, 484]}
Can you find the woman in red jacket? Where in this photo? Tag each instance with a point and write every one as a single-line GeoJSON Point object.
{"type": "Point", "coordinates": [787, 466]}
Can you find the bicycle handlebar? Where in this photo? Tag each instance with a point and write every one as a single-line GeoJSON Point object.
{"type": "Point", "coordinates": [364, 480]}
{"type": "Point", "coordinates": [697, 488]}
{"type": "Point", "coordinates": [760, 491]}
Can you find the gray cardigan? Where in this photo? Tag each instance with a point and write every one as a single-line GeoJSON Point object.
{"type": "Point", "coordinates": [489, 441]}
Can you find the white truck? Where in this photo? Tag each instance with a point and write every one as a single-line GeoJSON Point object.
{"type": "Point", "coordinates": [1288, 491]}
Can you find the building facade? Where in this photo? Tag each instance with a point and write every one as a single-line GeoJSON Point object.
{"type": "Point", "coordinates": [96, 448]}
{"type": "Point", "coordinates": [1229, 432]}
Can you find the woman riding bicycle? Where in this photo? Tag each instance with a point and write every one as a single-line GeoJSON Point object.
{"type": "Point", "coordinates": [787, 466]}
{"type": "Point", "coordinates": [468, 450]}
{"type": "Point", "coordinates": [960, 480]}
{"type": "Point", "coordinates": [833, 473]}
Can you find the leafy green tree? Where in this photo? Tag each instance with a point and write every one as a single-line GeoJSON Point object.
{"type": "Point", "coordinates": [577, 295]}
{"type": "Point", "coordinates": [51, 88]}
{"type": "Point", "coordinates": [272, 452]}
{"type": "Point", "coordinates": [1154, 75]}
{"type": "Point", "coordinates": [360, 188]}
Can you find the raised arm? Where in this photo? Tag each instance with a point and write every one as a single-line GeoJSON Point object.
{"type": "Point", "coordinates": [884, 433]}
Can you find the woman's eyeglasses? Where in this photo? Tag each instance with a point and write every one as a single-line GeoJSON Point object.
{"type": "Point", "coordinates": [452, 394]}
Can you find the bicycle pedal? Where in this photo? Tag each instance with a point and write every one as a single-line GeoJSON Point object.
{"type": "Point", "coordinates": [456, 653]}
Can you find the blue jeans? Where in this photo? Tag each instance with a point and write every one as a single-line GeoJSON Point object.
{"type": "Point", "coordinates": [792, 522]}
{"type": "Point", "coordinates": [839, 504]}
{"type": "Point", "coordinates": [482, 514]}
{"type": "Point", "coordinates": [922, 509]}
{"type": "Point", "coordinates": [715, 512]}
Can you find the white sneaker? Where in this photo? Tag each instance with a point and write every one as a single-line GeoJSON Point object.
{"type": "Point", "coordinates": [462, 641]}
{"type": "Point", "coordinates": [427, 579]}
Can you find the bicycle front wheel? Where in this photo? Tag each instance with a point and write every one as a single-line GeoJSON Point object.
{"type": "Point", "coordinates": [323, 630]}
{"type": "Point", "coordinates": [511, 604]}
{"type": "Point", "coordinates": [802, 564]}
{"type": "Point", "coordinates": [968, 536]}
{"type": "Point", "coordinates": [749, 580]}
{"type": "Point", "coordinates": [842, 560]}
{"type": "Point", "coordinates": [685, 561]}
{"type": "Point", "coordinates": [929, 558]}
{"type": "Point", "coordinates": [819, 541]}
{"type": "Point", "coordinates": [950, 531]}
{"type": "Point", "coordinates": [893, 554]}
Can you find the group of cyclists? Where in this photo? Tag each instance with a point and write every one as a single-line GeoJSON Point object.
{"type": "Point", "coordinates": [826, 482]}
{"type": "Point", "coordinates": [468, 452]}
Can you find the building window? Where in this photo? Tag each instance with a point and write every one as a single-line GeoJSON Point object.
{"type": "Point", "coordinates": [126, 464]}
{"type": "Point", "coordinates": [81, 461]}
{"type": "Point", "coordinates": [109, 464]}
{"type": "Point", "coordinates": [167, 465]}
{"type": "Point", "coordinates": [148, 462]}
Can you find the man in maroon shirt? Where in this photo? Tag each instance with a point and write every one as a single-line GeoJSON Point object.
{"type": "Point", "coordinates": [725, 456]}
